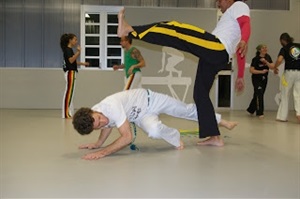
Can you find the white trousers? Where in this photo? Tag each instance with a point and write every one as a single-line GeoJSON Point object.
{"type": "Point", "coordinates": [67, 104]}
{"type": "Point", "coordinates": [160, 103]}
{"type": "Point", "coordinates": [290, 81]}
{"type": "Point", "coordinates": [134, 81]}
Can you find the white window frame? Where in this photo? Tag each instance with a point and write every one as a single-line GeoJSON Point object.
{"type": "Point", "coordinates": [103, 11]}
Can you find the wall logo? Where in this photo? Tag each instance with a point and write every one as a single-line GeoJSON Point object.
{"type": "Point", "coordinates": [171, 57]}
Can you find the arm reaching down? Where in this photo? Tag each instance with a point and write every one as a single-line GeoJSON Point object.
{"type": "Point", "coordinates": [102, 138]}
{"type": "Point", "coordinates": [117, 145]}
{"type": "Point", "coordinates": [242, 48]}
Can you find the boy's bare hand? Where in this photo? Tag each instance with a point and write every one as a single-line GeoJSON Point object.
{"type": "Point", "coordinates": [89, 146]}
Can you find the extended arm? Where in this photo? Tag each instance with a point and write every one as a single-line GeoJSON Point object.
{"type": "Point", "coordinates": [244, 23]}
{"type": "Point", "coordinates": [83, 63]}
{"type": "Point", "coordinates": [278, 62]}
{"type": "Point", "coordinates": [118, 144]}
{"type": "Point", "coordinates": [102, 138]}
{"type": "Point", "coordinates": [117, 67]}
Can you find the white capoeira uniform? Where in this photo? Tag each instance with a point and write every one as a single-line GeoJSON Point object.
{"type": "Point", "coordinates": [290, 80]}
{"type": "Point", "coordinates": [290, 83]}
{"type": "Point", "coordinates": [143, 107]}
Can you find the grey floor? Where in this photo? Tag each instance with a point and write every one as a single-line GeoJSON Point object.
{"type": "Point", "coordinates": [40, 159]}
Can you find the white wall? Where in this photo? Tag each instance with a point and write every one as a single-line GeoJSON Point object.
{"type": "Point", "coordinates": [43, 88]}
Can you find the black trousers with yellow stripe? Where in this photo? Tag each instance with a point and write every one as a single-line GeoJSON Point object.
{"type": "Point", "coordinates": [212, 58]}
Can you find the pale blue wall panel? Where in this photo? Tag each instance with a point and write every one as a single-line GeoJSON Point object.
{"type": "Point", "coordinates": [2, 34]}
{"type": "Point", "coordinates": [92, 2]}
{"type": "Point", "coordinates": [14, 33]}
{"type": "Point", "coordinates": [33, 33]}
{"type": "Point", "coordinates": [53, 29]}
{"type": "Point", "coordinates": [72, 17]}
{"type": "Point", "coordinates": [112, 2]}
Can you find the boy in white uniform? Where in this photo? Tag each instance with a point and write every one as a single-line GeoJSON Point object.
{"type": "Point", "coordinates": [140, 106]}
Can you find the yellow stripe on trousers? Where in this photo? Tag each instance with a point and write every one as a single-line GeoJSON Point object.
{"type": "Point", "coordinates": [190, 39]}
{"type": "Point", "coordinates": [186, 26]}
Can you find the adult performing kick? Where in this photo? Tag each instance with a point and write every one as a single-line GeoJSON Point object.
{"type": "Point", "coordinates": [214, 50]}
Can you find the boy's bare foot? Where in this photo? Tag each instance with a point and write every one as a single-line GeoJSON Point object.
{"type": "Point", "coordinates": [212, 141]}
{"type": "Point", "coordinates": [228, 124]}
{"type": "Point", "coordinates": [261, 117]}
{"type": "Point", "coordinates": [123, 27]}
{"type": "Point", "coordinates": [181, 146]}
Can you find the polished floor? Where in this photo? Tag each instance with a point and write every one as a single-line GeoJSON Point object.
{"type": "Point", "coordinates": [40, 159]}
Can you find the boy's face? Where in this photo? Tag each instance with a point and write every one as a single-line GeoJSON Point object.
{"type": "Point", "coordinates": [99, 120]}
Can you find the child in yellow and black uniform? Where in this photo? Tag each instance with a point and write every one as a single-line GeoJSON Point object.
{"type": "Point", "coordinates": [67, 42]}
{"type": "Point", "coordinates": [259, 68]}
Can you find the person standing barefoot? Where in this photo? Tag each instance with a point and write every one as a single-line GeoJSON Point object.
{"type": "Point", "coordinates": [214, 50]}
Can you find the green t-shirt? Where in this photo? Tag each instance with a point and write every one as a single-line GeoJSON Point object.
{"type": "Point", "coordinates": [129, 61]}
